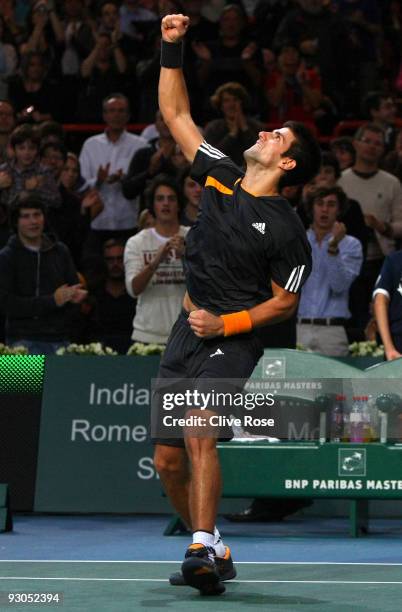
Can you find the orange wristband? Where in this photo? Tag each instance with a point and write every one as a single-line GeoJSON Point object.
{"type": "Point", "coordinates": [236, 323]}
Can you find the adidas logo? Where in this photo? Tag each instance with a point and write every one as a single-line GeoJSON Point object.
{"type": "Point", "coordinates": [217, 352]}
{"type": "Point", "coordinates": [260, 227]}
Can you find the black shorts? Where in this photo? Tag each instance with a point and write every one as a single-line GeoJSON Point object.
{"type": "Point", "coordinates": [188, 357]}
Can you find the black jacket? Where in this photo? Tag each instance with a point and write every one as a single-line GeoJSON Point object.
{"type": "Point", "coordinates": [28, 280]}
{"type": "Point", "coordinates": [137, 177]}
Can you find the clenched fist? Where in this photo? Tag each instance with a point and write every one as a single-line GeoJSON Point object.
{"type": "Point", "coordinates": [177, 244]}
{"type": "Point", "coordinates": [205, 324]}
{"type": "Point", "coordinates": [174, 27]}
{"type": "Point", "coordinates": [338, 233]}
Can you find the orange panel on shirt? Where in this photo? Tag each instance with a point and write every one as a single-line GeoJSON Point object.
{"type": "Point", "coordinates": [211, 182]}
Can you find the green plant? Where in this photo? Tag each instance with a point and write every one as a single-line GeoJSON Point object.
{"type": "Point", "coordinates": [13, 350]}
{"type": "Point", "coordinates": [94, 348]}
{"type": "Point", "coordinates": [145, 349]}
{"type": "Point", "coordinates": [369, 348]}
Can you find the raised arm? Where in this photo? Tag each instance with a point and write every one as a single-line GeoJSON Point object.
{"type": "Point", "coordinates": [173, 96]}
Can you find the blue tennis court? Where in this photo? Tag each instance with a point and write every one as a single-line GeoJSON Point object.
{"type": "Point", "coordinates": [122, 563]}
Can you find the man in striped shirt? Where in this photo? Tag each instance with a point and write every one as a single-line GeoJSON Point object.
{"type": "Point", "coordinates": [246, 259]}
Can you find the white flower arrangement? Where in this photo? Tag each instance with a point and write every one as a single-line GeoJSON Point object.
{"type": "Point", "coordinates": [13, 350]}
{"type": "Point", "coordinates": [369, 348]}
{"type": "Point", "coordinates": [301, 347]}
{"type": "Point", "coordinates": [94, 348]}
{"type": "Point", "coordinates": [145, 349]}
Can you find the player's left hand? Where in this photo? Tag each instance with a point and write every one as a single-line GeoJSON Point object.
{"type": "Point", "coordinates": [205, 324]}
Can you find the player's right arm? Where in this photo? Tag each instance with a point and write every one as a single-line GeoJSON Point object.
{"type": "Point", "coordinates": [173, 96]}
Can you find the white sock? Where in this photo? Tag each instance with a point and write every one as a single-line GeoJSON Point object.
{"type": "Point", "coordinates": [219, 546]}
{"type": "Point", "coordinates": [205, 538]}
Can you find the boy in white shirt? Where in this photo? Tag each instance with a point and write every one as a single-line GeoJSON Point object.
{"type": "Point", "coordinates": [154, 268]}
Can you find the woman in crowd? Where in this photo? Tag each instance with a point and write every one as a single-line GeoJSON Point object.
{"type": "Point", "coordinates": [232, 56]}
{"type": "Point", "coordinates": [45, 34]}
{"type": "Point", "coordinates": [294, 91]}
{"type": "Point", "coordinates": [235, 131]}
{"type": "Point", "coordinates": [102, 72]}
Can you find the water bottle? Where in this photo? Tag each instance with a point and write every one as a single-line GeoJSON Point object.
{"type": "Point", "coordinates": [368, 434]}
{"type": "Point", "coordinates": [374, 419]}
{"type": "Point", "coordinates": [337, 419]}
{"type": "Point", "coordinates": [346, 424]}
{"type": "Point", "coordinates": [356, 420]}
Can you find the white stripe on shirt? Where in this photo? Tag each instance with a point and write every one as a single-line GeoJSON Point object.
{"type": "Point", "coordinates": [290, 279]}
{"type": "Point", "coordinates": [211, 151]}
{"type": "Point", "coordinates": [295, 286]}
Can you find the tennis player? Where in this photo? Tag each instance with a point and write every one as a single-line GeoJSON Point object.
{"type": "Point", "coordinates": [247, 257]}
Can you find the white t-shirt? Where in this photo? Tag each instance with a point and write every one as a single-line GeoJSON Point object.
{"type": "Point", "coordinates": [159, 304]}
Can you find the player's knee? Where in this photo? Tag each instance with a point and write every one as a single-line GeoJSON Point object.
{"type": "Point", "coordinates": [199, 447]}
{"type": "Point", "coordinates": [169, 461]}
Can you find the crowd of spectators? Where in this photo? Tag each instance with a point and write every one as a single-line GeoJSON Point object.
{"type": "Point", "coordinates": [312, 60]}
{"type": "Point", "coordinates": [118, 205]}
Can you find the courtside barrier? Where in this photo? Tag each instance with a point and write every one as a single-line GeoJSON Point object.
{"type": "Point", "coordinates": [93, 454]}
